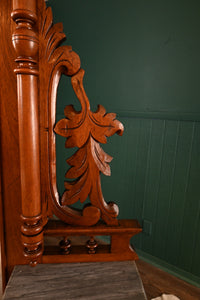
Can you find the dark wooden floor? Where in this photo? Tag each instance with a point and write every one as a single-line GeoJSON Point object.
{"type": "Point", "coordinates": [157, 282]}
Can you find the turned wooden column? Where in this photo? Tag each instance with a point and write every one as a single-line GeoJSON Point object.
{"type": "Point", "coordinates": [26, 44]}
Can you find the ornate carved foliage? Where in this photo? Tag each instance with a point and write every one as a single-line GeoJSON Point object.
{"type": "Point", "coordinates": [83, 129]}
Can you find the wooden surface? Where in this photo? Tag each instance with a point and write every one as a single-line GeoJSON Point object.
{"type": "Point", "coordinates": [2, 244]}
{"type": "Point", "coordinates": [118, 249]}
{"type": "Point", "coordinates": [58, 228]}
{"type": "Point", "coordinates": [26, 44]}
{"type": "Point", "coordinates": [1, 283]}
{"type": "Point", "coordinates": [157, 282]}
{"type": "Point", "coordinates": [113, 280]}
{"type": "Point", "coordinates": [9, 152]}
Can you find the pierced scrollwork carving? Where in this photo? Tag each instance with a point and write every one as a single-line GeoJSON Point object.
{"type": "Point", "coordinates": [83, 129]}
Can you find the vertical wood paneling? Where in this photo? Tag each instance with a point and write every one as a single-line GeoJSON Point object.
{"type": "Point", "coordinates": [152, 178]}
{"type": "Point", "coordinates": [141, 166]}
{"type": "Point", "coordinates": [128, 172]}
{"type": "Point", "coordinates": [187, 232]}
{"type": "Point", "coordinates": [178, 194]}
{"type": "Point", "coordinates": [155, 177]}
{"type": "Point", "coordinates": [133, 157]}
{"type": "Point", "coordinates": [196, 250]}
{"type": "Point", "coordinates": [189, 237]}
{"type": "Point", "coordinates": [165, 187]}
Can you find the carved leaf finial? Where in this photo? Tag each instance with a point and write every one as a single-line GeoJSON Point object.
{"type": "Point", "coordinates": [52, 36]}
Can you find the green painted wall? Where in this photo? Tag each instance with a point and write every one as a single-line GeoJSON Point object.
{"type": "Point", "coordinates": [142, 60]}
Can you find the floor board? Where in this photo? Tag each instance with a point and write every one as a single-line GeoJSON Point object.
{"type": "Point", "coordinates": [157, 282]}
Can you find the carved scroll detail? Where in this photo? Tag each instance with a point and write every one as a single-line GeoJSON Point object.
{"type": "Point", "coordinates": [83, 129]}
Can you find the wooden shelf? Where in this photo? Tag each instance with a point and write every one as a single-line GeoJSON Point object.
{"type": "Point", "coordinates": [119, 248]}
{"type": "Point", "coordinates": [59, 228]}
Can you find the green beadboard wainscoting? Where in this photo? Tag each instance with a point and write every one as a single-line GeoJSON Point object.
{"type": "Point", "coordinates": [142, 60]}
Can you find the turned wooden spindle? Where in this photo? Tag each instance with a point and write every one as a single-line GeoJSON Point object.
{"type": "Point", "coordinates": [65, 246]}
{"type": "Point", "coordinates": [26, 44]}
{"type": "Point", "coordinates": [92, 245]}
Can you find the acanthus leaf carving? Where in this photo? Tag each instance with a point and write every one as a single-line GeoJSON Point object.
{"type": "Point", "coordinates": [83, 129]}
{"type": "Point", "coordinates": [78, 126]}
{"type": "Point", "coordinates": [52, 36]}
{"type": "Point", "coordinates": [86, 129]}
{"type": "Point", "coordinates": [86, 164]}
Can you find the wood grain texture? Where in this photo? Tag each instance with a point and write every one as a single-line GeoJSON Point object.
{"type": "Point", "coordinates": [59, 228]}
{"type": "Point", "coordinates": [26, 44]}
{"type": "Point", "coordinates": [157, 282]}
{"type": "Point", "coordinates": [2, 237]}
{"type": "Point", "coordinates": [113, 280]}
{"type": "Point", "coordinates": [10, 164]}
{"type": "Point", "coordinates": [2, 243]}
